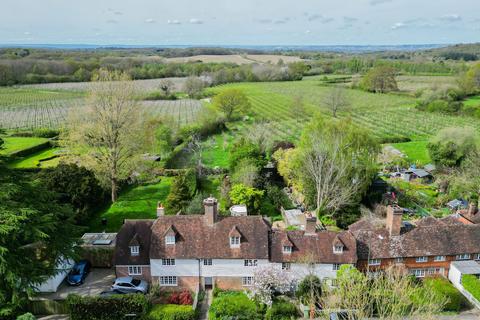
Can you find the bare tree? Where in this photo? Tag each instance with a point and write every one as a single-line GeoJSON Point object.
{"type": "Point", "coordinates": [298, 109]}
{"type": "Point", "coordinates": [167, 86]}
{"type": "Point", "coordinates": [336, 100]}
{"type": "Point", "coordinates": [106, 135]}
{"type": "Point", "coordinates": [330, 169]}
{"type": "Point", "coordinates": [260, 135]}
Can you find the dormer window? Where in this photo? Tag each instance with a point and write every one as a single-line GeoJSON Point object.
{"type": "Point", "coordinates": [287, 249]}
{"type": "Point", "coordinates": [170, 239]}
{"type": "Point", "coordinates": [134, 250]}
{"type": "Point", "coordinates": [338, 249]}
{"type": "Point", "coordinates": [235, 242]}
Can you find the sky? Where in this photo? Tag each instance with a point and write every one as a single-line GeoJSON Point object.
{"type": "Point", "coordinates": [239, 22]}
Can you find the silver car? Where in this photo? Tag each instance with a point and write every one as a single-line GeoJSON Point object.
{"type": "Point", "coordinates": [130, 285]}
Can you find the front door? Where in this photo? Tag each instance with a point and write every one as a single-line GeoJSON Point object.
{"type": "Point", "coordinates": [208, 283]}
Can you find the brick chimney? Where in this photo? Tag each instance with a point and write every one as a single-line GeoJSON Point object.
{"type": "Point", "coordinates": [310, 224]}
{"type": "Point", "coordinates": [160, 209]}
{"type": "Point", "coordinates": [211, 210]}
{"type": "Point", "coordinates": [394, 220]}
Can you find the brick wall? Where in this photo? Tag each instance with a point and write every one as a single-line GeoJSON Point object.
{"type": "Point", "coordinates": [190, 283]}
{"type": "Point", "coordinates": [122, 271]}
{"type": "Point", "coordinates": [229, 283]}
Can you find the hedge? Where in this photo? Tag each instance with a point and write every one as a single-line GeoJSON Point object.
{"type": "Point", "coordinates": [234, 305]}
{"type": "Point", "coordinates": [444, 288]}
{"type": "Point", "coordinates": [282, 310]}
{"type": "Point", "coordinates": [106, 308]}
{"type": "Point", "coordinates": [472, 284]}
{"type": "Point", "coordinates": [29, 151]}
{"type": "Point", "coordinates": [171, 312]}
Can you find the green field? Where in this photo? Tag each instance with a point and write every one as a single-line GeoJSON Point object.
{"type": "Point", "coordinates": [14, 144]}
{"type": "Point", "coordinates": [135, 202]}
{"type": "Point", "coordinates": [416, 151]}
{"type": "Point", "coordinates": [386, 115]}
{"type": "Point", "coordinates": [19, 97]}
{"type": "Point", "coordinates": [35, 160]}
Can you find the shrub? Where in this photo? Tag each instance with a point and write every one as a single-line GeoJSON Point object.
{"type": "Point", "coordinates": [251, 197]}
{"type": "Point", "coordinates": [26, 316]}
{"type": "Point", "coordinates": [183, 298]}
{"type": "Point", "coordinates": [101, 308]}
{"type": "Point", "coordinates": [282, 310]}
{"type": "Point", "coordinates": [244, 149]}
{"type": "Point", "coordinates": [472, 284]}
{"type": "Point", "coordinates": [171, 312]}
{"type": "Point", "coordinates": [451, 145]}
{"type": "Point", "coordinates": [234, 305]}
{"type": "Point", "coordinates": [45, 133]}
{"type": "Point", "coordinates": [444, 288]}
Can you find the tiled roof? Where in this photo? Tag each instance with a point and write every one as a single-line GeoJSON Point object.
{"type": "Point", "coordinates": [317, 247]}
{"type": "Point", "coordinates": [196, 239]}
{"type": "Point", "coordinates": [428, 238]}
{"type": "Point", "coordinates": [136, 232]}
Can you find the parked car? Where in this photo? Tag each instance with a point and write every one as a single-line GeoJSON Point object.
{"type": "Point", "coordinates": [109, 293]}
{"type": "Point", "coordinates": [130, 285]}
{"type": "Point", "coordinates": [78, 273]}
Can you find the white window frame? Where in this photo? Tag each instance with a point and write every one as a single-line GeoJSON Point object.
{"type": "Point", "coordinates": [250, 262]}
{"type": "Point", "coordinates": [235, 242]}
{"type": "Point", "coordinates": [134, 250]}
{"type": "Point", "coordinates": [247, 281]}
{"type": "Point", "coordinates": [440, 258]}
{"type": "Point", "coordinates": [134, 270]}
{"type": "Point", "coordinates": [374, 262]}
{"type": "Point", "coordinates": [168, 281]}
{"type": "Point", "coordinates": [286, 266]}
{"type": "Point", "coordinates": [168, 262]}
{"type": "Point", "coordinates": [463, 256]}
{"type": "Point", "coordinates": [419, 273]}
{"type": "Point", "coordinates": [421, 259]}
{"type": "Point", "coordinates": [338, 249]}
{"type": "Point", "coordinates": [398, 260]}
{"type": "Point", "coordinates": [287, 249]}
{"type": "Point", "coordinates": [336, 266]}
{"type": "Point", "coordinates": [207, 262]}
{"type": "Point", "coordinates": [169, 239]}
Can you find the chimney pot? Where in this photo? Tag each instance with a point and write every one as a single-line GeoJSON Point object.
{"type": "Point", "coordinates": [160, 209]}
{"type": "Point", "coordinates": [394, 220]}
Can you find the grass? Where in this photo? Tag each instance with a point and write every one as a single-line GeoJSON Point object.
{"type": "Point", "coordinates": [136, 202]}
{"type": "Point", "coordinates": [416, 151]}
{"type": "Point", "coordinates": [386, 115]}
{"type": "Point", "coordinates": [34, 160]}
{"type": "Point", "coordinates": [472, 102]}
{"type": "Point", "coordinates": [14, 144]}
{"type": "Point", "coordinates": [216, 151]}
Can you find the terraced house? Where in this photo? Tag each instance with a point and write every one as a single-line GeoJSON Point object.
{"type": "Point", "coordinates": [208, 250]}
{"type": "Point", "coordinates": [425, 248]}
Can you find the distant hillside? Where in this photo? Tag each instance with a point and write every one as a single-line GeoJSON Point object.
{"type": "Point", "coordinates": [467, 52]}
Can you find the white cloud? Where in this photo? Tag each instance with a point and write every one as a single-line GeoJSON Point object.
{"type": "Point", "coordinates": [398, 25]}
{"type": "Point", "coordinates": [118, 13]}
{"type": "Point", "coordinates": [112, 21]}
{"type": "Point", "coordinates": [175, 21]}
{"type": "Point", "coordinates": [195, 21]}
{"type": "Point", "coordinates": [150, 20]}
{"type": "Point", "coordinates": [319, 17]}
{"type": "Point", "coordinates": [27, 33]}
{"type": "Point", "coordinates": [308, 32]}
{"type": "Point", "coordinates": [451, 18]}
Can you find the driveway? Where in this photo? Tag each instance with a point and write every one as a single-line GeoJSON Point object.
{"type": "Point", "coordinates": [98, 280]}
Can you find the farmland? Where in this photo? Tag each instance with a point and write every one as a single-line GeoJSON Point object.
{"type": "Point", "coordinates": [238, 59]}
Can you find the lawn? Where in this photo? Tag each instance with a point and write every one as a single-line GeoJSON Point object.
{"type": "Point", "coordinates": [216, 151]}
{"type": "Point", "coordinates": [135, 202]}
{"type": "Point", "coordinates": [14, 144]}
{"type": "Point", "coordinates": [416, 151]}
{"type": "Point", "coordinates": [472, 102]}
{"type": "Point", "coordinates": [35, 160]}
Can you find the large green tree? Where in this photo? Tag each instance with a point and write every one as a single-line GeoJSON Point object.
{"type": "Point", "coordinates": [77, 186]}
{"type": "Point", "coordinates": [232, 103]}
{"type": "Point", "coordinates": [380, 79]}
{"type": "Point", "coordinates": [451, 146]}
{"type": "Point", "coordinates": [333, 164]}
{"type": "Point", "coordinates": [35, 233]}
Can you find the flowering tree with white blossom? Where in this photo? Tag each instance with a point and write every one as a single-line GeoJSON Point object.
{"type": "Point", "coordinates": [268, 281]}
